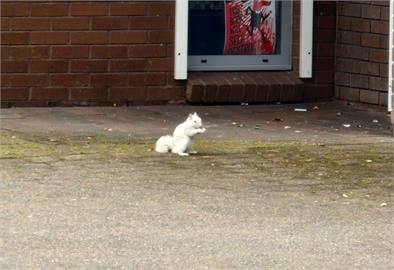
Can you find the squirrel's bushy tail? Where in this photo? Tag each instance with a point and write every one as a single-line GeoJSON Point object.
{"type": "Point", "coordinates": [164, 144]}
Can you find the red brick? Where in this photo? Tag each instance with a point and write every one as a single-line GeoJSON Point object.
{"type": "Point", "coordinates": [49, 37]}
{"type": "Point", "coordinates": [70, 52]}
{"type": "Point", "coordinates": [110, 23]}
{"type": "Point", "coordinates": [162, 8]}
{"type": "Point", "coordinates": [370, 40]}
{"type": "Point", "coordinates": [128, 9]}
{"type": "Point", "coordinates": [250, 88]}
{"type": "Point", "coordinates": [357, 66]}
{"type": "Point", "coordinates": [194, 92]}
{"type": "Point", "coordinates": [322, 8]}
{"type": "Point", "coordinates": [210, 90]}
{"type": "Point", "coordinates": [223, 91]}
{"type": "Point", "coordinates": [156, 78]}
{"type": "Point", "coordinates": [170, 50]}
{"type": "Point", "coordinates": [323, 77]}
{"type": "Point", "coordinates": [323, 63]}
{"type": "Point", "coordinates": [158, 22]}
{"type": "Point", "coordinates": [380, 27]}
{"type": "Point", "coordinates": [147, 50]}
{"type": "Point", "coordinates": [49, 94]}
{"type": "Point", "coordinates": [14, 66]}
{"type": "Point", "coordinates": [369, 68]}
{"type": "Point", "coordinates": [147, 78]}
{"type": "Point", "coordinates": [172, 81]}
{"type": "Point", "coordinates": [128, 65]}
{"type": "Point", "coordinates": [325, 35]}
{"type": "Point", "coordinates": [5, 24]}
{"type": "Point", "coordinates": [14, 38]}
{"type": "Point", "coordinates": [102, 80]}
{"type": "Point", "coordinates": [377, 83]}
{"type": "Point", "coordinates": [161, 64]}
{"type": "Point", "coordinates": [51, 66]}
{"type": "Point", "coordinates": [370, 12]}
{"type": "Point", "coordinates": [326, 22]}
{"type": "Point", "coordinates": [24, 52]}
{"type": "Point", "coordinates": [137, 79]}
{"type": "Point", "coordinates": [171, 22]}
{"type": "Point", "coordinates": [296, 36]}
{"type": "Point", "coordinates": [342, 79]}
{"type": "Point", "coordinates": [384, 42]}
{"type": "Point", "coordinates": [378, 55]}
{"type": "Point", "coordinates": [317, 92]}
{"type": "Point", "coordinates": [83, 66]}
{"type": "Point", "coordinates": [8, 94]}
{"type": "Point", "coordinates": [349, 37]}
{"type": "Point", "coordinates": [371, 97]}
{"type": "Point", "coordinates": [350, 94]}
{"type": "Point", "coordinates": [49, 10]}
{"type": "Point", "coordinates": [105, 52]}
{"type": "Point", "coordinates": [360, 25]}
{"type": "Point", "coordinates": [17, 80]}
{"type": "Point", "coordinates": [70, 80]}
{"type": "Point", "coordinates": [128, 37]}
{"type": "Point", "coordinates": [88, 9]}
{"type": "Point", "coordinates": [89, 37]}
{"type": "Point", "coordinates": [344, 23]}
{"type": "Point", "coordinates": [350, 9]}
{"type": "Point", "coordinates": [70, 23]}
{"type": "Point", "coordinates": [236, 93]}
{"type": "Point", "coordinates": [358, 81]}
{"type": "Point", "coordinates": [157, 93]}
{"type": "Point", "coordinates": [29, 24]}
{"type": "Point", "coordinates": [350, 51]}
{"type": "Point", "coordinates": [324, 49]}
{"type": "Point", "coordinates": [15, 9]}
{"type": "Point", "coordinates": [385, 3]}
{"type": "Point", "coordinates": [383, 99]}
{"type": "Point", "coordinates": [87, 94]}
{"type": "Point", "coordinates": [296, 21]}
{"type": "Point", "coordinates": [129, 93]}
{"type": "Point", "coordinates": [383, 70]}
{"type": "Point", "coordinates": [161, 36]}
{"type": "Point", "coordinates": [384, 13]}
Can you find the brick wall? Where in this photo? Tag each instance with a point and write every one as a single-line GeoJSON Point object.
{"type": "Point", "coordinates": [321, 86]}
{"type": "Point", "coordinates": [87, 53]}
{"type": "Point", "coordinates": [362, 51]}
{"type": "Point", "coordinates": [106, 52]}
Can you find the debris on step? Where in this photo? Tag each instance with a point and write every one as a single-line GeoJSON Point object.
{"type": "Point", "coordinates": [300, 110]}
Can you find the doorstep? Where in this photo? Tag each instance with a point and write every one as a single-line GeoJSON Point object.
{"type": "Point", "coordinates": [237, 87]}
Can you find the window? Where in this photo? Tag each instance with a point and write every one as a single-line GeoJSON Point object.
{"type": "Point", "coordinates": [240, 35]}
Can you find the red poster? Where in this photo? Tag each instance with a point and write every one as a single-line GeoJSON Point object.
{"type": "Point", "coordinates": [250, 27]}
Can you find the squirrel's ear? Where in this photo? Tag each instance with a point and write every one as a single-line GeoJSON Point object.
{"type": "Point", "coordinates": [190, 116]}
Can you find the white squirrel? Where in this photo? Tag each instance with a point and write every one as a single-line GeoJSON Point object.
{"type": "Point", "coordinates": [181, 141]}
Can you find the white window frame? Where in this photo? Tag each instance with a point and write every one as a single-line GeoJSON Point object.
{"type": "Point", "coordinates": [181, 36]}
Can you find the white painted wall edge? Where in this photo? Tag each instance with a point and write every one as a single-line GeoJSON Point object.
{"type": "Point", "coordinates": [181, 36]}
{"type": "Point", "coordinates": [306, 38]}
{"type": "Point", "coordinates": [390, 60]}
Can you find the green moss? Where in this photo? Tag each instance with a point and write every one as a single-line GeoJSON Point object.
{"type": "Point", "coordinates": [331, 164]}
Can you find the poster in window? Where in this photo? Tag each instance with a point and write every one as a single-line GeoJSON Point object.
{"type": "Point", "coordinates": [238, 27]}
{"type": "Point", "coordinates": [250, 27]}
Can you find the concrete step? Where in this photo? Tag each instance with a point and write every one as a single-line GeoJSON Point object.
{"type": "Point", "coordinates": [237, 87]}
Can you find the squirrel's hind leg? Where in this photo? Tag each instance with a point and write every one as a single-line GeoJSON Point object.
{"type": "Point", "coordinates": [180, 147]}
